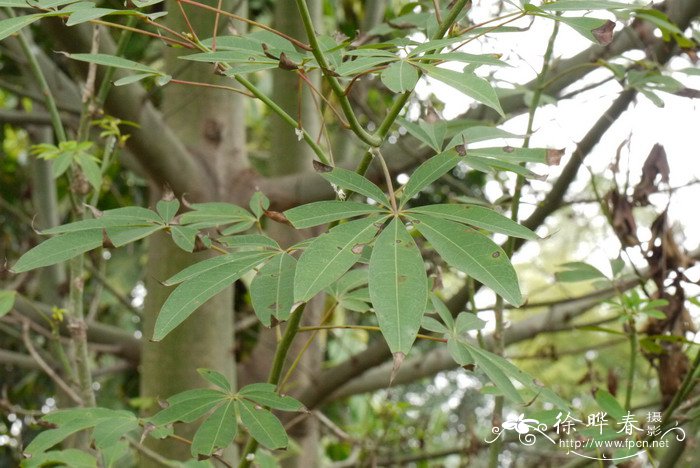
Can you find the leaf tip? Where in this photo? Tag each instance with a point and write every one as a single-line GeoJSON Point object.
{"type": "Point", "coordinates": [398, 360]}
{"type": "Point", "coordinates": [604, 33]}
{"type": "Point", "coordinates": [320, 167]}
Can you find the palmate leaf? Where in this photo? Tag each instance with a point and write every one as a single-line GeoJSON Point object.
{"type": "Point", "coordinates": [59, 249]}
{"type": "Point", "coordinates": [189, 406]}
{"type": "Point", "coordinates": [323, 212]}
{"type": "Point", "coordinates": [500, 371]}
{"type": "Point", "coordinates": [429, 172]}
{"type": "Point", "coordinates": [265, 394]}
{"type": "Point", "coordinates": [262, 425]}
{"type": "Point", "coordinates": [330, 255]}
{"type": "Point", "coordinates": [10, 26]}
{"type": "Point", "coordinates": [272, 289]}
{"type": "Point", "coordinates": [214, 214]}
{"type": "Point", "coordinates": [69, 457]}
{"type": "Point", "coordinates": [352, 181]}
{"type": "Point", "coordinates": [467, 83]}
{"type": "Point", "coordinates": [216, 378]}
{"type": "Point", "coordinates": [477, 216]}
{"type": "Point", "coordinates": [362, 64]}
{"type": "Point", "coordinates": [198, 289]}
{"type": "Point", "coordinates": [473, 253]}
{"type": "Point", "coordinates": [235, 259]}
{"type": "Point", "coordinates": [217, 431]}
{"type": "Point", "coordinates": [398, 286]}
{"type": "Point", "coordinates": [400, 76]}
{"type": "Point", "coordinates": [114, 61]}
{"type": "Point", "coordinates": [110, 426]}
{"type": "Point", "coordinates": [7, 301]}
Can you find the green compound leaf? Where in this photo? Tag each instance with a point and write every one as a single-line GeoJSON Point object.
{"type": "Point", "coordinates": [194, 292]}
{"type": "Point", "coordinates": [400, 77]}
{"type": "Point", "coordinates": [468, 83]}
{"type": "Point", "coordinates": [262, 425]}
{"type": "Point", "coordinates": [322, 212]}
{"type": "Point", "coordinates": [477, 216]}
{"type": "Point", "coordinates": [59, 249]}
{"type": "Point", "coordinates": [215, 378]}
{"type": "Point", "coordinates": [330, 255]}
{"type": "Point", "coordinates": [351, 181]}
{"type": "Point", "coordinates": [473, 253]}
{"type": "Point", "coordinates": [429, 172]}
{"type": "Point", "coordinates": [217, 431]}
{"type": "Point", "coordinates": [272, 289]}
{"type": "Point", "coordinates": [189, 406]}
{"type": "Point", "coordinates": [398, 286]}
{"type": "Point", "coordinates": [265, 394]}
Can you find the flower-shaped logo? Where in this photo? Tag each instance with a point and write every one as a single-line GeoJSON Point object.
{"type": "Point", "coordinates": [519, 424]}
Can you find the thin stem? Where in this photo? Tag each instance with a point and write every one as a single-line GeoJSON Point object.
{"type": "Point", "coordinates": [216, 26]}
{"type": "Point", "coordinates": [328, 103]}
{"type": "Point", "coordinates": [633, 362]}
{"type": "Point", "coordinates": [276, 371]}
{"type": "Point", "coordinates": [438, 15]}
{"type": "Point", "coordinates": [365, 328]}
{"type": "Point", "coordinates": [345, 105]}
{"type": "Point", "coordinates": [106, 83]}
{"type": "Point", "coordinates": [399, 103]}
{"type": "Point", "coordinates": [297, 360]}
{"type": "Point", "coordinates": [211, 85]}
{"type": "Point", "coordinates": [187, 21]}
{"type": "Point", "coordinates": [49, 100]}
{"type": "Point", "coordinates": [45, 367]}
{"type": "Point", "coordinates": [127, 27]}
{"type": "Point", "coordinates": [294, 41]}
{"type": "Point", "coordinates": [285, 116]}
{"type": "Point", "coordinates": [387, 177]}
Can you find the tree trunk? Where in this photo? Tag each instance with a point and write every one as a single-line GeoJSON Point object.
{"type": "Point", "coordinates": [211, 125]}
{"type": "Point", "coordinates": [287, 156]}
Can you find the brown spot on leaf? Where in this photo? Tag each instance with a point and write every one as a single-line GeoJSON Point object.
{"type": "Point", "coordinates": [358, 248]}
{"type": "Point", "coordinates": [277, 216]}
{"type": "Point", "coordinates": [398, 360]}
{"type": "Point", "coordinates": [461, 150]}
{"type": "Point", "coordinates": [320, 167]}
{"type": "Point", "coordinates": [401, 278]}
{"type": "Point", "coordinates": [508, 149]}
{"type": "Point", "coordinates": [496, 254]}
{"type": "Point", "coordinates": [106, 241]}
{"type": "Point", "coordinates": [554, 156]}
{"type": "Point", "coordinates": [286, 63]}
{"type": "Point", "coordinates": [604, 34]}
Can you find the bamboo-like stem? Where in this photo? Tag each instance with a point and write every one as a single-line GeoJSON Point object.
{"type": "Point", "coordinates": [106, 83]}
{"type": "Point", "coordinates": [345, 105]}
{"type": "Point", "coordinates": [275, 372]}
{"type": "Point", "coordinates": [285, 116]}
{"type": "Point", "coordinates": [35, 68]}
{"type": "Point", "coordinates": [399, 103]}
{"type": "Point", "coordinates": [45, 367]}
{"type": "Point", "coordinates": [387, 177]}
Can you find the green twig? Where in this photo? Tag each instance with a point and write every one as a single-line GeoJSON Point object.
{"type": "Point", "coordinates": [275, 373]}
{"type": "Point", "coordinates": [372, 140]}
